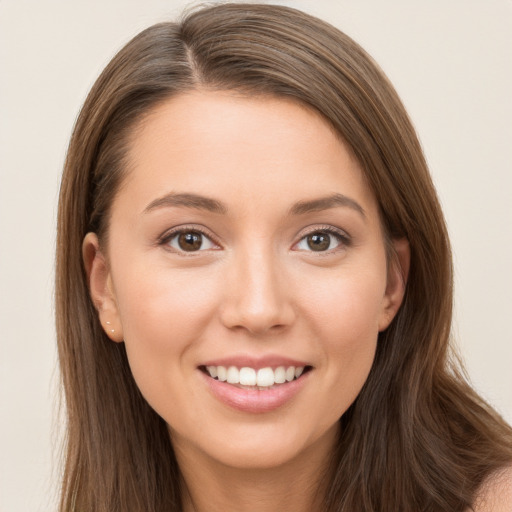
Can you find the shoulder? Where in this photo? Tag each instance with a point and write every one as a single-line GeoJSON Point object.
{"type": "Point", "coordinates": [495, 495]}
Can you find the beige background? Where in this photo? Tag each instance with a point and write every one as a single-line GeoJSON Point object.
{"type": "Point", "coordinates": [451, 61]}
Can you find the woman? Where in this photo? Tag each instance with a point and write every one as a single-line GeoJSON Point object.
{"type": "Point", "coordinates": [254, 285]}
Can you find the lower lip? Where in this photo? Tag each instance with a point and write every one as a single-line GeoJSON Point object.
{"type": "Point", "coordinates": [255, 400]}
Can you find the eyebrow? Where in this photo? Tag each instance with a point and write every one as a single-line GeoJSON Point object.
{"type": "Point", "coordinates": [199, 202]}
{"type": "Point", "coordinates": [187, 200]}
{"type": "Point", "coordinates": [326, 203]}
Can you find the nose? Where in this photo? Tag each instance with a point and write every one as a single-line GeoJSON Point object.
{"type": "Point", "coordinates": [257, 298]}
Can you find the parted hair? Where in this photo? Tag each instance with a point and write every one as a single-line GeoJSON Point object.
{"type": "Point", "coordinates": [417, 438]}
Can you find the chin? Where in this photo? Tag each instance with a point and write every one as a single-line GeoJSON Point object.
{"type": "Point", "coordinates": [259, 457]}
{"type": "Point", "coordinates": [263, 447]}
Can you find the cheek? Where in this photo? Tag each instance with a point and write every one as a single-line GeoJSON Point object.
{"type": "Point", "coordinates": [161, 306]}
{"type": "Point", "coordinates": [346, 318]}
{"type": "Point", "coordinates": [163, 316]}
{"type": "Point", "coordinates": [349, 305]}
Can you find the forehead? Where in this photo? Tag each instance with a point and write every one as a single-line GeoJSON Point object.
{"type": "Point", "coordinates": [226, 145]}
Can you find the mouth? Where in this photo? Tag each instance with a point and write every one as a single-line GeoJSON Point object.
{"type": "Point", "coordinates": [261, 379]}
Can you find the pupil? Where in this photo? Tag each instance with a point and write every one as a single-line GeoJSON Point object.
{"type": "Point", "coordinates": [318, 242]}
{"type": "Point", "coordinates": [190, 241]}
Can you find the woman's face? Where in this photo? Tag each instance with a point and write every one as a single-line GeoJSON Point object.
{"type": "Point", "coordinates": [244, 236]}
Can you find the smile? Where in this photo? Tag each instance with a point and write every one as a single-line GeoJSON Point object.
{"type": "Point", "coordinates": [251, 378]}
{"type": "Point", "coordinates": [255, 389]}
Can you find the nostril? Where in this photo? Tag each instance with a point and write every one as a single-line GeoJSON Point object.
{"type": "Point", "coordinates": [257, 305]}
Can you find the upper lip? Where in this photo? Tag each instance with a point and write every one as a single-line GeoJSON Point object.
{"type": "Point", "coordinates": [256, 362]}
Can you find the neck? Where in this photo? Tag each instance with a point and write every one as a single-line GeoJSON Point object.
{"type": "Point", "coordinates": [298, 485]}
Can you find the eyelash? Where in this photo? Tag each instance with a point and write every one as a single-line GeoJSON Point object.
{"type": "Point", "coordinates": [342, 237]}
{"type": "Point", "coordinates": [167, 237]}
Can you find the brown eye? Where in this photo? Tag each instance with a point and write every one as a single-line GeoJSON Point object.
{"type": "Point", "coordinates": [319, 241]}
{"type": "Point", "coordinates": [322, 241]}
{"type": "Point", "coordinates": [190, 241]}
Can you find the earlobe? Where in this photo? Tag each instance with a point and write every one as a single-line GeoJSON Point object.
{"type": "Point", "coordinates": [398, 272]}
{"type": "Point", "coordinates": [100, 287]}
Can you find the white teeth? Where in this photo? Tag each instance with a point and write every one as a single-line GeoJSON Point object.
{"type": "Point", "coordinates": [221, 373]}
{"type": "Point", "coordinates": [264, 377]}
{"type": "Point", "coordinates": [233, 375]}
{"type": "Point", "coordinates": [248, 376]}
{"type": "Point", "coordinates": [280, 375]}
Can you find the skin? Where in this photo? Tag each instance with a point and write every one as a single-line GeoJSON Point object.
{"type": "Point", "coordinates": [496, 493]}
{"type": "Point", "coordinates": [254, 288]}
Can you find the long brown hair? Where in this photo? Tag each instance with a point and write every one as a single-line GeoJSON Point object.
{"type": "Point", "coordinates": [417, 437]}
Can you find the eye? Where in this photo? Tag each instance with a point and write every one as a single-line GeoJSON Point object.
{"type": "Point", "coordinates": [322, 240]}
{"type": "Point", "coordinates": [189, 240]}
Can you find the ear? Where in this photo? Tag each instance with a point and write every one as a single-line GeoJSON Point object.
{"type": "Point", "coordinates": [100, 287]}
{"type": "Point", "coordinates": [398, 272]}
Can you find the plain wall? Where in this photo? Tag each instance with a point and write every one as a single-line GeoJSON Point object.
{"type": "Point", "coordinates": [451, 62]}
